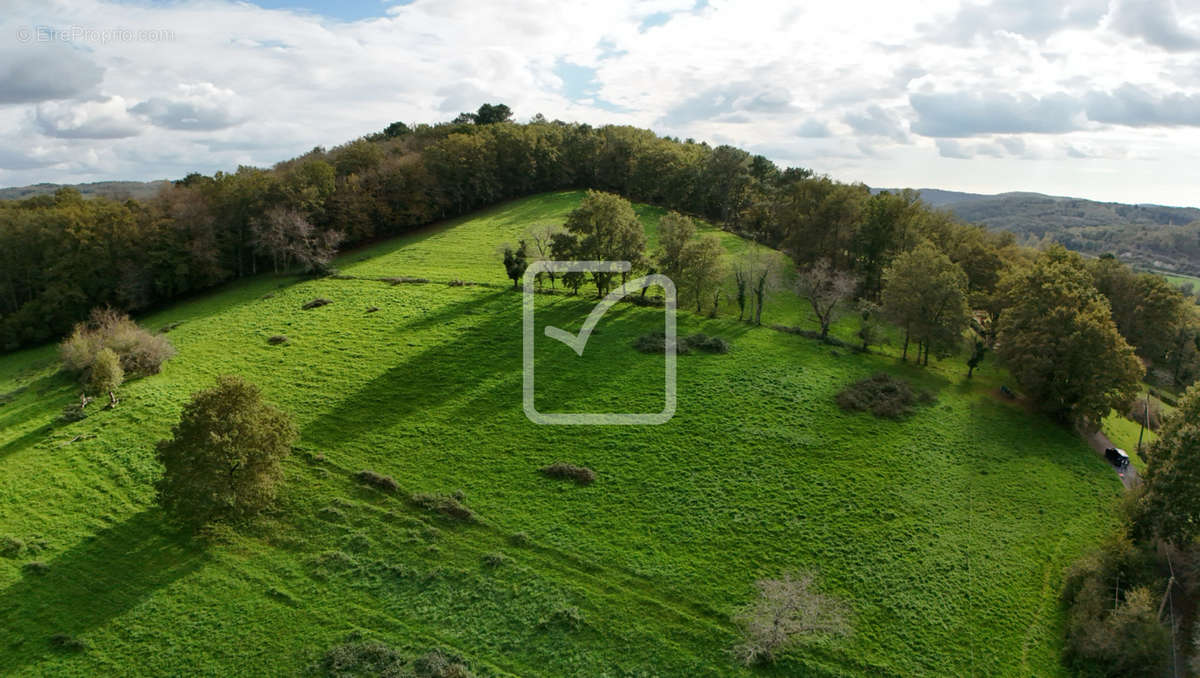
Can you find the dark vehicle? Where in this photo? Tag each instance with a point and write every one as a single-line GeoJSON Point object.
{"type": "Point", "coordinates": [1117, 457]}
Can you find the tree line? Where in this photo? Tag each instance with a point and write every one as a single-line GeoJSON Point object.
{"type": "Point", "coordinates": [62, 255]}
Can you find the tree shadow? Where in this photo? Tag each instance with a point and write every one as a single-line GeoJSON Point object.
{"type": "Point", "coordinates": [92, 583]}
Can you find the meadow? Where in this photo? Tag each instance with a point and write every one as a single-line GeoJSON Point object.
{"type": "Point", "coordinates": [947, 533]}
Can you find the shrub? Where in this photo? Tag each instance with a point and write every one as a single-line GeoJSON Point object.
{"type": "Point", "coordinates": [495, 559]}
{"type": "Point", "coordinates": [568, 617]}
{"type": "Point", "coordinates": [437, 664]}
{"type": "Point", "coordinates": [656, 342]}
{"type": "Point", "coordinates": [372, 309]}
{"type": "Point", "coordinates": [224, 459]}
{"type": "Point", "coordinates": [404, 279]}
{"type": "Point", "coordinates": [788, 612]}
{"type": "Point", "coordinates": [369, 658]}
{"type": "Point", "coordinates": [703, 342]}
{"type": "Point", "coordinates": [316, 303]}
{"type": "Point", "coordinates": [140, 352]}
{"type": "Point", "coordinates": [106, 375]}
{"type": "Point", "coordinates": [36, 567]}
{"type": "Point", "coordinates": [580, 474]}
{"type": "Point", "coordinates": [73, 412]}
{"type": "Point", "coordinates": [520, 539]}
{"type": "Point", "coordinates": [11, 547]}
{"type": "Point", "coordinates": [882, 395]}
{"type": "Point", "coordinates": [448, 506]}
{"type": "Point", "coordinates": [378, 481]}
{"type": "Point", "coordinates": [277, 340]}
{"type": "Point", "coordinates": [68, 643]}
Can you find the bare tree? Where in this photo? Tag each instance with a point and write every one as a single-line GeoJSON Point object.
{"type": "Point", "coordinates": [288, 237]}
{"type": "Point", "coordinates": [825, 288]}
{"type": "Point", "coordinates": [788, 612]}
{"type": "Point", "coordinates": [757, 273]}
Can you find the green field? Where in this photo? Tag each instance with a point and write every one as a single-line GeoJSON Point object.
{"type": "Point", "coordinates": [947, 534]}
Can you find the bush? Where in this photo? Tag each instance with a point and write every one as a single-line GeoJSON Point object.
{"type": "Point", "coordinates": [378, 481]}
{"type": "Point", "coordinates": [224, 459]}
{"type": "Point", "coordinates": [277, 340]}
{"type": "Point", "coordinates": [358, 657]}
{"type": "Point", "coordinates": [656, 342]}
{"type": "Point", "coordinates": [68, 643]}
{"type": "Point", "coordinates": [106, 375]}
{"type": "Point", "coordinates": [568, 617]}
{"type": "Point", "coordinates": [316, 303]}
{"type": "Point", "coordinates": [140, 352]}
{"type": "Point", "coordinates": [882, 395]}
{"type": "Point", "coordinates": [404, 279]}
{"type": "Point", "coordinates": [36, 567]}
{"type": "Point", "coordinates": [11, 547]}
{"type": "Point", "coordinates": [703, 342]}
{"type": "Point", "coordinates": [495, 559]}
{"type": "Point", "coordinates": [72, 413]}
{"type": "Point", "coordinates": [787, 613]}
{"type": "Point", "coordinates": [448, 506]}
{"type": "Point", "coordinates": [580, 474]}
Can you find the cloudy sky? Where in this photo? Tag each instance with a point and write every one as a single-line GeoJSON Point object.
{"type": "Point", "coordinates": [1090, 98]}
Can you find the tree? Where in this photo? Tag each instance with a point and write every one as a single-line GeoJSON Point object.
{"type": "Point", "coordinates": [396, 129]}
{"type": "Point", "coordinates": [788, 612]}
{"type": "Point", "coordinates": [976, 358]}
{"type": "Point", "coordinates": [1145, 307]}
{"type": "Point", "coordinates": [701, 269]}
{"type": "Point", "coordinates": [224, 459]}
{"type": "Point", "coordinates": [1058, 339]}
{"type": "Point", "coordinates": [675, 231]}
{"type": "Point", "coordinates": [1169, 506]}
{"type": "Point", "coordinates": [603, 228]}
{"type": "Point", "coordinates": [870, 323]}
{"type": "Point", "coordinates": [761, 270]}
{"type": "Point", "coordinates": [926, 294]}
{"type": "Point", "coordinates": [106, 374]}
{"type": "Point", "coordinates": [515, 262]}
{"type": "Point", "coordinates": [489, 114]}
{"type": "Point", "coordinates": [542, 238]}
{"type": "Point", "coordinates": [288, 237]}
{"type": "Point", "coordinates": [825, 289]}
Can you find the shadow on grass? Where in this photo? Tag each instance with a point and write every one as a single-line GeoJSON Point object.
{"type": "Point", "coordinates": [92, 583]}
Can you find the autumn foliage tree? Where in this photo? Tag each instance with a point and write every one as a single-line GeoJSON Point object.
{"type": "Point", "coordinates": [1058, 339]}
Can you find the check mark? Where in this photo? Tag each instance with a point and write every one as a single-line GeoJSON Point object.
{"type": "Point", "coordinates": [578, 342]}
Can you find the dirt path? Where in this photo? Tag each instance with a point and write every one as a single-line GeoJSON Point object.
{"type": "Point", "coordinates": [1100, 443]}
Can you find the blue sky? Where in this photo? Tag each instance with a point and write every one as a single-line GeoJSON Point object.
{"type": "Point", "coordinates": [1090, 98]}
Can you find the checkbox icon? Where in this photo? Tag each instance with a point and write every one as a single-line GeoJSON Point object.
{"type": "Point", "coordinates": [578, 343]}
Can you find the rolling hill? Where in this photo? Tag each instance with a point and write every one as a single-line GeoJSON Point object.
{"type": "Point", "coordinates": [117, 190]}
{"type": "Point", "coordinates": [1152, 237]}
{"type": "Point", "coordinates": [946, 533]}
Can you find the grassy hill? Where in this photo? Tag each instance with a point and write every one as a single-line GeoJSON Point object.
{"type": "Point", "coordinates": [947, 533]}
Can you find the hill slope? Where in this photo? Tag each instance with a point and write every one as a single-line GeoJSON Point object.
{"type": "Point", "coordinates": [1149, 236]}
{"type": "Point", "coordinates": [946, 533]}
{"type": "Point", "coordinates": [117, 190]}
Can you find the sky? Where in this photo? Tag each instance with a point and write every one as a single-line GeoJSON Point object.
{"type": "Point", "coordinates": [1089, 98]}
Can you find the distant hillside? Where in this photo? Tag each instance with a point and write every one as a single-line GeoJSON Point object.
{"type": "Point", "coordinates": [1149, 236]}
{"type": "Point", "coordinates": [119, 190]}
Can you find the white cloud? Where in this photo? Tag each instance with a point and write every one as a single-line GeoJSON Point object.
{"type": "Point", "coordinates": [833, 86]}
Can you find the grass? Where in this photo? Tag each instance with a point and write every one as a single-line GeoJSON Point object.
{"type": "Point", "coordinates": [946, 533]}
